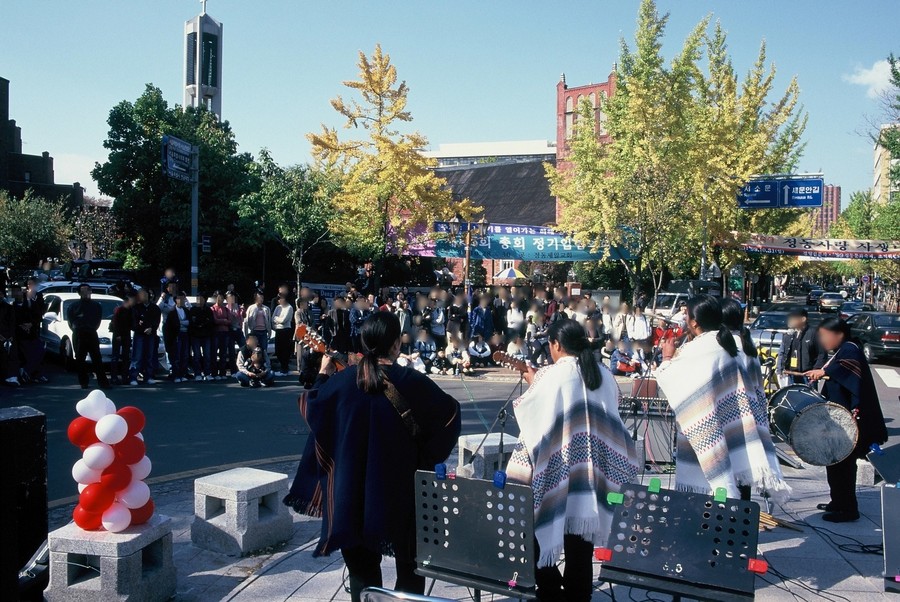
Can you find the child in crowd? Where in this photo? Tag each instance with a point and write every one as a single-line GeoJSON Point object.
{"type": "Point", "coordinates": [408, 354]}
{"type": "Point", "coordinates": [479, 352]}
{"type": "Point", "coordinates": [515, 348]}
{"type": "Point", "coordinates": [427, 350]}
{"type": "Point", "coordinates": [441, 364]}
{"type": "Point", "coordinates": [459, 359]}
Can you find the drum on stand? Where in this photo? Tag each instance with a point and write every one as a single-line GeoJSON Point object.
{"type": "Point", "coordinates": [820, 432]}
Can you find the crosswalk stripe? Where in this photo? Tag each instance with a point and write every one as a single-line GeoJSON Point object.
{"type": "Point", "coordinates": [890, 376]}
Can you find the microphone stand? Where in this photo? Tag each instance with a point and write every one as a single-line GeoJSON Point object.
{"type": "Point", "coordinates": [502, 415]}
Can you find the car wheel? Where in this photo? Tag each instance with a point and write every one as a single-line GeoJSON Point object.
{"type": "Point", "coordinates": [67, 355]}
{"type": "Point", "coordinates": [869, 353]}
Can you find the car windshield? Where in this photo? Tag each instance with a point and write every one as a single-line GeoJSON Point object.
{"type": "Point", "coordinates": [832, 296]}
{"type": "Point", "coordinates": [665, 300]}
{"type": "Point", "coordinates": [108, 306]}
{"type": "Point", "coordinates": [887, 321]}
{"type": "Point", "coordinates": [770, 322]}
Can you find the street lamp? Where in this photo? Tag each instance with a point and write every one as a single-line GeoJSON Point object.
{"type": "Point", "coordinates": [480, 228]}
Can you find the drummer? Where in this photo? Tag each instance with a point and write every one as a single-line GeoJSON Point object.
{"type": "Point", "coordinates": [848, 382]}
{"type": "Point", "coordinates": [800, 351]}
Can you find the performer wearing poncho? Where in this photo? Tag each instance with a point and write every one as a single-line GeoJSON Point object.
{"type": "Point", "coordinates": [573, 449]}
{"type": "Point", "coordinates": [723, 430]}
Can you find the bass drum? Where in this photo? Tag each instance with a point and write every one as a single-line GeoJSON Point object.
{"type": "Point", "coordinates": [821, 433]}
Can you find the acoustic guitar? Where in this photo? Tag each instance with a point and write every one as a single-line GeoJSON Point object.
{"type": "Point", "coordinates": [508, 361]}
{"type": "Point", "coordinates": [316, 343]}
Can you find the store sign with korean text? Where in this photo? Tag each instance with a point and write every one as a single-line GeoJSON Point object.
{"type": "Point", "coordinates": [510, 241]}
{"type": "Point", "coordinates": [822, 248]}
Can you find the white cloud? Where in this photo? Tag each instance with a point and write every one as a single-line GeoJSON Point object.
{"type": "Point", "coordinates": [876, 79]}
{"type": "Point", "coordinates": [70, 168]}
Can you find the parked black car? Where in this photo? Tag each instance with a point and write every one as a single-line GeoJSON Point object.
{"type": "Point", "coordinates": [878, 332]}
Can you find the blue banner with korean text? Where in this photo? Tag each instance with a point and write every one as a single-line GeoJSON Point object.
{"type": "Point", "coordinates": [511, 241]}
{"type": "Point", "coordinates": [822, 248]}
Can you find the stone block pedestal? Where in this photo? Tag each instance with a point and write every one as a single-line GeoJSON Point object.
{"type": "Point", "coordinates": [98, 566]}
{"type": "Point", "coordinates": [240, 510]}
{"type": "Point", "coordinates": [488, 459]}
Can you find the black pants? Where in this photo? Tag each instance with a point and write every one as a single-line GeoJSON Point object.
{"type": "Point", "coordinates": [87, 343]}
{"type": "Point", "coordinates": [284, 341]}
{"type": "Point", "coordinates": [577, 583]}
{"type": "Point", "coordinates": [364, 568]}
{"type": "Point", "coordinates": [842, 482]}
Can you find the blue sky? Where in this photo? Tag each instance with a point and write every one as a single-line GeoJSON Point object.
{"type": "Point", "coordinates": [478, 71]}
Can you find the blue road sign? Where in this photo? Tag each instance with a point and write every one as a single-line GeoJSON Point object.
{"type": "Point", "coordinates": [781, 192]}
{"type": "Point", "coordinates": [759, 194]}
{"type": "Point", "coordinates": [176, 158]}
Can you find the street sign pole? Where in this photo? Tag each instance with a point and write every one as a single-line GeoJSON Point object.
{"type": "Point", "coordinates": [195, 217]}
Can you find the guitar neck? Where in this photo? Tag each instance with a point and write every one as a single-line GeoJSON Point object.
{"type": "Point", "coordinates": [508, 361]}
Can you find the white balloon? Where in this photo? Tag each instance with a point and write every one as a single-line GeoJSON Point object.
{"type": "Point", "coordinates": [135, 495]}
{"type": "Point", "coordinates": [141, 469]}
{"type": "Point", "coordinates": [116, 518]}
{"type": "Point", "coordinates": [84, 474]}
{"type": "Point", "coordinates": [139, 436]}
{"type": "Point", "coordinates": [95, 406]}
{"type": "Point", "coordinates": [81, 487]}
{"type": "Point", "coordinates": [111, 429]}
{"type": "Point", "coordinates": [110, 406]}
{"type": "Point", "coordinates": [98, 456]}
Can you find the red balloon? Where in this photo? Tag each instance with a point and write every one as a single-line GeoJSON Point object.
{"type": "Point", "coordinates": [142, 514]}
{"type": "Point", "coordinates": [135, 419]}
{"type": "Point", "coordinates": [96, 497]}
{"type": "Point", "coordinates": [81, 432]}
{"type": "Point", "coordinates": [116, 477]}
{"type": "Point", "coordinates": [130, 450]}
{"type": "Point", "coordinates": [89, 521]}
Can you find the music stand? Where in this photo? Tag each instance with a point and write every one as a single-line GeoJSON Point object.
{"type": "Point", "coordinates": [472, 533]}
{"type": "Point", "coordinates": [683, 544]}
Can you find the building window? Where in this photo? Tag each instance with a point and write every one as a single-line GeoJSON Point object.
{"type": "Point", "coordinates": [27, 176]}
{"type": "Point", "coordinates": [506, 264]}
{"type": "Point", "coordinates": [569, 105]}
{"type": "Point", "coordinates": [593, 99]}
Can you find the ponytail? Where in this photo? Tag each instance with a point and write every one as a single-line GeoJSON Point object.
{"type": "Point", "coordinates": [726, 340]}
{"type": "Point", "coordinates": [378, 335]}
{"type": "Point", "coordinates": [570, 335]}
{"type": "Point", "coordinates": [747, 343]}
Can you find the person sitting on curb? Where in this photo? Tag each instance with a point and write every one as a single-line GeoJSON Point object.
{"type": "Point", "coordinates": [253, 372]}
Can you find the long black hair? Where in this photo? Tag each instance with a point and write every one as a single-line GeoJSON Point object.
{"type": "Point", "coordinates": [733, 319]}
{"type": "Point", "coordinates": [707, 313]}
{"type": "Point", "coordinates": [570, 335]}
{"type": "Point", "coordinates": [378, 334]}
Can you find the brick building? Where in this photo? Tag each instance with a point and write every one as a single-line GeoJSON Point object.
{"type": "Point", "coordinates": [829, 212]}
{"type": "Point", "coordinates": [20, 172]}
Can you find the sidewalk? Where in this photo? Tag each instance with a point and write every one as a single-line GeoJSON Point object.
{"type": "Point", "coordinates": [289, 572]}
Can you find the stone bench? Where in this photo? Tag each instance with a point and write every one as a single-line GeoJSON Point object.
{"type": "Point", "coordinates": [91, 566]}
{"type": "Point", "coordinates": [238, 511]}
{"type": "Point", "coordinates": [487, 460]}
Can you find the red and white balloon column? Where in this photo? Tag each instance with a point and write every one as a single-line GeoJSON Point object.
{"type": "Point", "coordinates": [113, 465]}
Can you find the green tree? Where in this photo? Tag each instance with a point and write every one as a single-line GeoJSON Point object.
{"type": "Point", "coordinates": [388, 188]}
{"type": "Point", "coordinates": [154, 211]}
{"type": "Point", "coordinates": [682, 142]}
{"type": "Point", "coordinates": [291, 207]}
{"type": "Point", "coordinates": [889, 138]}
{"type": "Point", "coordinates": [97, 228]}
{"type": "Point", "coordinates": [31, 229]}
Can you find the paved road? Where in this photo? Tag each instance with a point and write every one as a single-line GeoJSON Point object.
{"type": "Point", "coordinates": [199, 426]}
{"type": "Point", "coordinates": [196, 426]}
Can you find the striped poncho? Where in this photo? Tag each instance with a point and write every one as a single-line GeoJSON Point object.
{"type": "Point", "coordinates": [573, 449]}
{"type": "Point", "coordinates": [723, 425]}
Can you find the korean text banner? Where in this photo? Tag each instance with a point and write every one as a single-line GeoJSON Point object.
{"type": "Point", "coordinates": [509, 241]}
{"type": "Point", "coordinates": [823, 248]}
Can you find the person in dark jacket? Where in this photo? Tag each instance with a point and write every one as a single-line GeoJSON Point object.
{"type": "Point", "coordinates": [800, 351]}
{"type": "Point", "coordinates": [176, 326]}
{"type": "Point", "coordinates": [145, 317]}
{"type": "Point", "coordinates": [29, 349]}
{"type": "Point", "coordinates": [336, 326]}
{"type": "Point", "coordinates": [850, 384]}
{"type": "Point", "coordinates": [358, 470]}
{"type": "Point", "coordinates": [120, 330]}
{"type": "Point", "coordinates": [481, 321]}
{"type": "Point", "coordinates": [201, 329]}
{"type": "Point", "coordinates": [84, 317]}
{"type": "Point", "coordinates": [7, 333]}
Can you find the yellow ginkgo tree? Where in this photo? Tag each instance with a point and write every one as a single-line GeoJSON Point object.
{"type": "Point", "coordinates": [389, 193]}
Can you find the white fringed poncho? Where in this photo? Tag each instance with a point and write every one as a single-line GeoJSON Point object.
{"type": "Point", "coordinates": [723, 425]}
{"type": "Point", "coordinates": [573, 449]}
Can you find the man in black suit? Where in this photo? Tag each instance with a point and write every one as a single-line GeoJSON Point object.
{"type": "Point", "coordinates": [800, 351]}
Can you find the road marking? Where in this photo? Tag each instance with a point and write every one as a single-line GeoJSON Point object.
{"type": "Point", "coordinates": [890, 376]}
{"type": "Point", "coordinates": [198, 472]}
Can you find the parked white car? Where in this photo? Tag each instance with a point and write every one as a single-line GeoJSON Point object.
{"type": "Point", "coordinates": [55, 331]}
